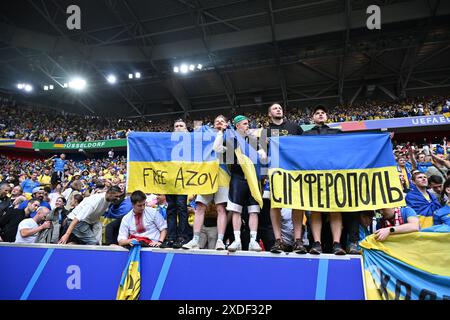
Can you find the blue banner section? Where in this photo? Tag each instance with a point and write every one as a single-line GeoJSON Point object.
{"type": "Point", "coordinates": [171, 146]}
{"type": "Point", "coordinates": [73, 274]}
{"type": "Point", "coordinates": [334, 152]}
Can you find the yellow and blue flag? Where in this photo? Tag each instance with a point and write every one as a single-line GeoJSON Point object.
{"type": "Point", "coordinates": [249, 161]}
{"type": "Point", "coordinates": [130, 282]}
{"type": "Point", "coordinates": [334, 173]}
{"type": "Point", "coordinates": [413, 266]}
{"type": "Point", "coordinates": [7, 142]}
{"type": "Point", "coordinates": [172, 163]}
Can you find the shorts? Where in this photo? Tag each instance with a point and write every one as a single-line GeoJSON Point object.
{"type": "Point", "coordinates": [239, 196]}
{"type": "Point", "coordinates": [221, 196]}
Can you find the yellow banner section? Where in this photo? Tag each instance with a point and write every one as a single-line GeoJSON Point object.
{"type": "Point", "coordinates": [250, 175]}
{"type": "Point", "coordinates": [174, 177]}
{"type": "Point", "coordinates": [336, 190]}
{"type": "Point", "coordinates": [408, 247]}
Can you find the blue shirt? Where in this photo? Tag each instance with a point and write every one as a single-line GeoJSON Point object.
{"type": "Point", "coordinates": [162, 209]}
{"type": "Point", "coordinates": [28, 185]}
{"type": "Point", "coordinates": [59, 164]}
{"type": "Point", "coordinates": [119, 211]}
{"type": "Point", "coordinates": [442, 216]}
{"type": "Point", "coordinates": [407, 212]}
{"type": "Point", "coordinates": [423, 166]}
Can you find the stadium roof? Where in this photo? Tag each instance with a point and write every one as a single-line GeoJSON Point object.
{"type": "Point", "coordinates": [253, 52]}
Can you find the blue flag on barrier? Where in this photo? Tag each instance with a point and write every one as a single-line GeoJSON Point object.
{"type": "Point", "coordinates": [130, 282]}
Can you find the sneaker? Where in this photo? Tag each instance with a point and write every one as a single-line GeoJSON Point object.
{"type": "Point", "coordinates": [278, 247]}
{"type": "Point", "coordinates": [234, 246]}
{"type": "Point", "coordinates": [298, 247]}
{"type": "Point", "coordinates": [191, 245]}
{"type": "Point", "coordinates": [220, 245]}
{"type": "Point", "coordinates": [337, 249]}
{"type": "Point", "coordinates": [254, 246]}
{"type": "Point", "coordinates": [353, 248]}
{"type": "Point", "coordinates": [167, 244]}
{"type": "Point", "coordinates": [179, 243]}
{"type": "Point", "coordinates": [316, 248]}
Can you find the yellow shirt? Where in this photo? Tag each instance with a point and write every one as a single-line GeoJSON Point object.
{"type": "Point", "coordinates": [44, 180]}
{"type": "Point", "coordinates": [405, 175]}
{"type": "Point", "coordinates": [108, 176]}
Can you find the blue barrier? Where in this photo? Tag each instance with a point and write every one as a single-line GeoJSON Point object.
{"type": "Point", "coordinates": [50, 272]}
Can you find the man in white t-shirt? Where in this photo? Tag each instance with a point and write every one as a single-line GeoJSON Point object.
{"type": "Point", "coordinates": [143, 223]}
{"type": "Point", "coordinates": [84, 220]}
{"type": "Point", "coordinates": [28, 229]}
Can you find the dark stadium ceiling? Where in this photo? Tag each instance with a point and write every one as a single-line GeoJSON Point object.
{"type": "Point", "coordinates": [253, 52]}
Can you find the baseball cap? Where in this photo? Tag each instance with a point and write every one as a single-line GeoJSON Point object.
{"type": "Point", "coordinates": [320, 107]}
{"type": "Point", "coordinates": [238, 119]}
{"type": "Point", "coordinates": [37, 189]}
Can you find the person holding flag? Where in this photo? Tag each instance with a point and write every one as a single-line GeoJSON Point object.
{"type": "Point", "coordinates": [320, 117]}
{"type": "Point", "coordinates": [279, 126]}
{"type": "Point", "coordinates": [244, 184]}
{"type": "Point", "coordinates": [143, 223]}
{"type": "Point", "coordinates": [220, 199]}
{"type": "Point", "coordinates": [421, 200]}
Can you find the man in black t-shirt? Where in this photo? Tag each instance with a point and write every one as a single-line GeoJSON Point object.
{"type": "Point", "coordinates": [9, 222]}
{"type": "Point", "coordinates": [320, 117]}
{"type": "Point", "coordinates": [5, 201]}
{"type": "Point", "coordinates": [278, 127]}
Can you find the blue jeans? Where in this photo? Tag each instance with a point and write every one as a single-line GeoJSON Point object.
{"type": "Point", "coordinates": [177, 207]}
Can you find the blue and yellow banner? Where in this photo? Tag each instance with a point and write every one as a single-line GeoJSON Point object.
{"type": "Point", "coordinates": [130, 282]}
{"type": "Point", "coordinates": [7, 142]}
{"type": "Point", "coordinates": [248, 159]}
{"type": "Point", "coordinates": [334, 173]}
{"type": "Point", "coordinates": [412, 266]}
{"type": "Point", "coordinates": [172, 163]}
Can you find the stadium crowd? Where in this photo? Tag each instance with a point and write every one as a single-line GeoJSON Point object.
{"type": "Point", "coordinates": [37, 124]}
{"type": "Point", "coordinates": [57, 200]}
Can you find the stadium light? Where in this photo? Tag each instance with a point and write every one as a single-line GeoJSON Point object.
{"type": "Point", "coordinates": [28, 88]}
{"type": "Point", "coordinates": [20, 86]}
{"type": "Point", "coordinates": [184, 68]}
{"type": "Point", "coordinates": [65, 85]}
{"type": "Point", "coordinates": [45, 88]}
{"type": "Point", "coordinates": [77, 84]}
{"type": "Point", "coordinates": [137, 75]}
{"type": "Point", "coordinates": [112, 79]}
{"type": "Point", "coordinates": [50, 87]}
{"type": "Point", "coordinates": [130, 76]}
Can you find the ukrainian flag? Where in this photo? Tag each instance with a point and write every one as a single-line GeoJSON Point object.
{"type": "Point", "coordinates": [249, 161]}
{"type": "Point", "coordinates": [334, 173]}
{"type": "Point", "coordinates": [172, 163]}
{"type": "Point", "coordinates": [130, 283]}
{"type": "Point", "coordinates": [413, 266]}
{"type": "Point", "coordinates": [7, 142]}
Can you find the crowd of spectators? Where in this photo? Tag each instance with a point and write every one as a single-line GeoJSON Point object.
{"type": "Point", "coordinates": [38, 124]}
{"type": "Point", "coordinates": [35, 192]}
